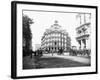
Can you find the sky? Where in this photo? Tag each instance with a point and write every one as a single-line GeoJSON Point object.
{"type": "Point", "coordinates": [44, 20]}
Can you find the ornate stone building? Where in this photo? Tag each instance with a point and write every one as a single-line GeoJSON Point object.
{"type": "Point", "coordinates": [55, 39]}
{"type": "Point", "coordinates": [83, 31]}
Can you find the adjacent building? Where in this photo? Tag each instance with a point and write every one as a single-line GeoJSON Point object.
{"type": "Point", "coordinates": [55, 38]}
{"type": "Point", "coordinates": [83, 31]}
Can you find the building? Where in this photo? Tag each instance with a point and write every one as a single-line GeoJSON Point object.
{"type": "Point", "coordinates": [37, 46]}
{"type": "Point", "coordinates": [74, 47]}
{"type": "Point", "coordinates": [83, 31]}
{"type": "Point", "coordinates": [55, 38]}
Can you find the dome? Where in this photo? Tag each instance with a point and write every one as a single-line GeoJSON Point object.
{"type": "Point", "coordinates": [55, 28]}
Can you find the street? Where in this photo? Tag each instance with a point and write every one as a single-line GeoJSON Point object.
{"type": "Point", "coordinates": [55, 61]}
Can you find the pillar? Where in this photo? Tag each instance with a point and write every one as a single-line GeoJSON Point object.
{"type": "Point", "coordinates": [84, 42]}
{"type": "Point", "coordinates": [79, 41]}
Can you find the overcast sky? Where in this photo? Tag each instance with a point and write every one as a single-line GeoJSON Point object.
{"type": "Point", "coordinates": [44, 20]}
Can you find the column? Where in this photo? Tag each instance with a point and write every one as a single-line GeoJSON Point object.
{"type": "Point", "coordinates": [79, 41]}
{"type": "Point", "coordinates": [84, 42]}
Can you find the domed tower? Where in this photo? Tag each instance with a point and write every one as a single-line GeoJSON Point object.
{"type": "Point", "coordinates": [55, 38]}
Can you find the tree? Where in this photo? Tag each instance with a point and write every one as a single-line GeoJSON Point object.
{"type": "Point", "coordinates": [27, 35]}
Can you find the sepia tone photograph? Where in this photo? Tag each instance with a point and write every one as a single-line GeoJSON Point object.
{"type": "Point", "coordinates": [53, 39]}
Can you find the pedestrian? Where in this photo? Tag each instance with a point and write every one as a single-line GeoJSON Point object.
{"type": "Point", "coordinates": [31, 52]}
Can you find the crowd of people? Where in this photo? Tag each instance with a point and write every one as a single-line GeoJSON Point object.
{"type": "Point", "coordinates": [72, 52]}
{"type": "Point", "coordinates": [80, 52]}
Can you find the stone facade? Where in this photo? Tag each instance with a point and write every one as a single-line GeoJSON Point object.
{"type": "Point", "coordinates": [83, 32]}
{"type": "Point", "coordinates": [55, 39]}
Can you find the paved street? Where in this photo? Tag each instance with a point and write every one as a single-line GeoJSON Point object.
{"type": "Point", "coordinates": [80, 59]}
{"type": "Point", "coordinates": [55, 61]}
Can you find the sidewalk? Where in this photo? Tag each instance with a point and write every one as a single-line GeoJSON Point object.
{"type": "Point", "coordinates": [73, 58]}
